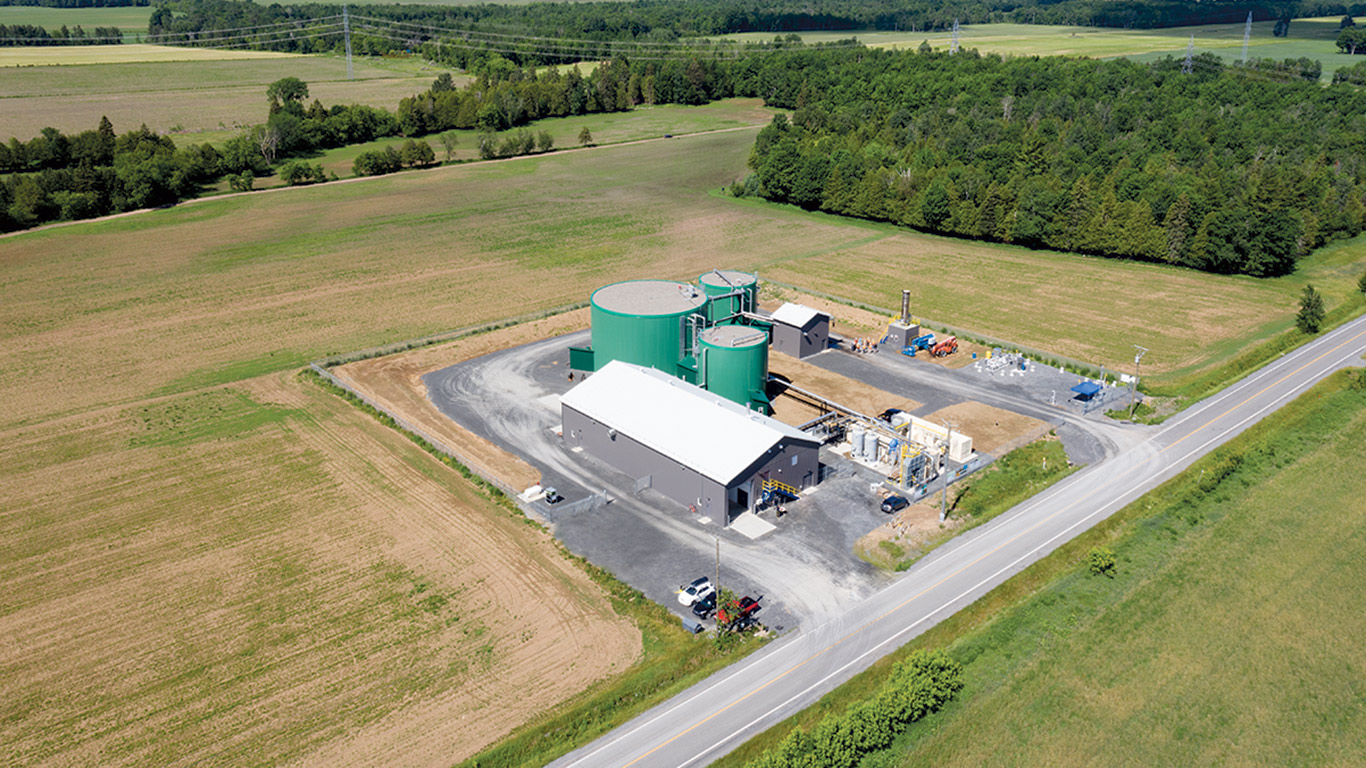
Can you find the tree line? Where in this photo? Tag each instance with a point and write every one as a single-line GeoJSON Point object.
{"type": "Point", "coordinates": [77, 3]}
{"type": "Point", "coordinates": [28, 34]}
{"type": "Point", "coordinates": [539, 25]}
{"type": "Point", "coordinates": [1226, 169]}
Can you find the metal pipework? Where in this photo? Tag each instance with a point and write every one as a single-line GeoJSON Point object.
{"type": "Point", "coordinates": [905, 307]}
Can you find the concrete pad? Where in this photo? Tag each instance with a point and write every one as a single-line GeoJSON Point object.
{"type": "Point", "coordinates": [750, 525]}
{"type": "Point", "coordinates": [551, 401]}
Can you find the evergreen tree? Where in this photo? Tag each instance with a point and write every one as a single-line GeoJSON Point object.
{"type": "Point", "coordinates": [1310, 316]}
{"type": "Point", "coordinates": [1178, 229]}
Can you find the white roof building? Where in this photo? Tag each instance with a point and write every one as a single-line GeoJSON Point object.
{"type": "Point", "coordinates": [717, 438]}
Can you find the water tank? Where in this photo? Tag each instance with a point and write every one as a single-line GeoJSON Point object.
{"type": "Point", "coordinates": [856, 443]}
{"type": "Point", "coordinates": [643, 322]}
{"type": "Point", "coordinates": [729, 281]}
{"type": "Point", "coordinates": [733, 363]}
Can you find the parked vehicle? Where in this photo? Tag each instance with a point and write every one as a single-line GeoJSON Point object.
{"type": "Point", "coordinates": [894, 504]}
{"type": "Point", "coordinates": [945, 348]}
{"type": "Point", "coordinates": [739, 614]}
{"type": "Point", "coordinates": [888, 414]}
{"type": "Point", "coordinates": [552, 496]}
{"type": "Point", "coordinates": [705, 606]}
{"type": "Point", "coordinates": [690, 593]}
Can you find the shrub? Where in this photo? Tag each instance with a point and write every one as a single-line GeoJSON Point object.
{"type": "Point", "coordinates": [297, 172]}
{"type": "Point", "coordinates": [417, 154]}
{"type": "Point", "coordinates": [918, 686]}
{"type": "Point", "coordinates": [545, 142]}
{"type": "Point", "coordinates": [242, 182]}
{"type": "Point", "coordinates": [1101, 561]}
{"type": "Point", "coordinates": [376, 162]}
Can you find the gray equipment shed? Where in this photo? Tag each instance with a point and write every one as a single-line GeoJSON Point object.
{"type": "Point", "coordinates": [698, 448]}
{"type": "Point", "coordinates": [800, 331]}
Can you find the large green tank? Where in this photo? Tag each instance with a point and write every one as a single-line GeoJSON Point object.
{"type": "Point", "coordinates": [729, 281]}
{"type": "Point", "coordinates": [733, 363]}
{"type": "Point", "coordinates": [643, 322]}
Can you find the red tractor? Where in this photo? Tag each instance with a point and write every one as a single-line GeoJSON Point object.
{"type": "Point", "coordinates": [945, 347]}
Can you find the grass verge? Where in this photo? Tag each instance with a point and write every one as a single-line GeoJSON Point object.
{"type": "Point", "coordinates": [1028, 620]}
{"type": "Point", "coordinates": [672, 659]}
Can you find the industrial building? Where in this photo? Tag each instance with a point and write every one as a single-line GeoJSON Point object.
{"type": "Point", "coordinates": [696, 447]}
{"type": "Point", "coordinates": [800, 331]}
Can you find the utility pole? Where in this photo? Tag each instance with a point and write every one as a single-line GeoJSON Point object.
{"type": "Point", "coordinates": [953, 44]}
{"type": "Point", "coordinates": [1189, 66]}
{"type": "Point", "coordinates": [1133, 396]}
{"type": "Point", "coordinates": [718, 569]}
{"type": "Point", "coordinates": [1247, 35]}
{"type": "Point", "coordinates": [346, 33]}
{"type": "Point", "coordinates": [944, 497]}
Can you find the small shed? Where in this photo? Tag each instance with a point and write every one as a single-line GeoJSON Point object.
{"type": "Point", "coordinates": [697, 448]}
{"type": "Point", "coordinates": [800, 331]}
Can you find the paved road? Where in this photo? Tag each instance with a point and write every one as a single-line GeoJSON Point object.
{"type": "Point", "coordinates": [715, 716]}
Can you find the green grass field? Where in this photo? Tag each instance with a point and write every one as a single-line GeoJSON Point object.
{"type": "Point", "coordinates": [1308, 37]}
{"type": "Point", "coordinates": [1229, 633]}
{"type": "Point", "coordinates": [200, 100]}
{"type": "Point", "coordinates": [131, 20]}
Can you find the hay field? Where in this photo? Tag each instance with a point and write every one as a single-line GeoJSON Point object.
{"type": "Point", "coordinates": [131, 20]}
{"type": "Point", "coordinates": [1308, 37]}
{"type": "Point", "coordinates": [262, 575]}
{"type": "Point", "coordinates": [47, 55]}
{"type": "Point", "coordinates": [1231, 634]}
{"type": "Point", "coordinates": [189, 96]}
{"type": "Point", "coordinates": [231, 288]}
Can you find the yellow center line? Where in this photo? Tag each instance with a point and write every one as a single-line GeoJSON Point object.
{"type": "Point", "coordinates": [984, 556]}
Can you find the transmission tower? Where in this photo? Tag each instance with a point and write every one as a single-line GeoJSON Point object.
{"type": "Point", "coordinates": [1189, 66]}
{"type": "Point", "coordinates": [346, 32]}
{"type": "Point", "coordinates": [953, 44]}
{"type": "Point", "coordinates": [1247, 35]}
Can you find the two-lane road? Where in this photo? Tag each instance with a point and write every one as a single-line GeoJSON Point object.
{"type": "Point", "coordinates": [716, 715]}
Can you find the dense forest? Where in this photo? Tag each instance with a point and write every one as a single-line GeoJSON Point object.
{"type": "Point", "coordinates": [1224, 169]}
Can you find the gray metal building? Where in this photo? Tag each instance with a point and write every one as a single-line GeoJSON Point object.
{"type": "Point", "coordinates": [698, 448]}
{"type": "Point", "coordinates": [800, 331]}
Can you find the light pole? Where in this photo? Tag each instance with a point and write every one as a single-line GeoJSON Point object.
{"type": "Point", "coordinates": [1133, 396]}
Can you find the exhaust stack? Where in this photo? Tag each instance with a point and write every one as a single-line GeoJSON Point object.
{"type": "Point", "coordinates": [905, 307]}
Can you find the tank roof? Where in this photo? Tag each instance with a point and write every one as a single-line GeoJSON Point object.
{"type": "Point", "coordinates": [736, 278]}
{"type": "Point", "coordinates": [648, 297]}
{"type": "Point", "coordinates": [734, 336]}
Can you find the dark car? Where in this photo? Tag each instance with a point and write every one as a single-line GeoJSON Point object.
{"type": "Point", "coordinates": [894, 503]}
{"type": "Point", "coordinates": [888, 414]}
{"type": "Point", "coordinates": [704, 607]}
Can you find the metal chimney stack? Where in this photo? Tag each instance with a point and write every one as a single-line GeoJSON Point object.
{"type": "Point", "coordinates": [905, 307]}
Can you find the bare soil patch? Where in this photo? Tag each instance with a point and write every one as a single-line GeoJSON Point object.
{"type": "Point", "coordinates": [848, 392]}
{"type": "Point", "coordinates": [395, 381]}
{"type": "Point", "coordinates": [904, 534]}
{"type": "Point", "coordinates": [994, 431]}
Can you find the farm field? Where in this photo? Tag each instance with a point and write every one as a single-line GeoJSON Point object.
{"type": "Point", "coordinates": [607, 128]}
{"type": "Point", "coordinates": [97, 311]}
{"type": "Point", "coordinates": [1184, 660]}
{"type": "Point", "coordinates": [52, 55]}
{"type": "Point", "coordinates": [261, 575]}
{"type": "Point", "coordinates": [132, 20]}
{"type": "Point", "coordinates": [1088, 309]}
{"type": "Point", "coordinates": [198, 97]}
{"type": "Point", "coordinates": [1308, 37]}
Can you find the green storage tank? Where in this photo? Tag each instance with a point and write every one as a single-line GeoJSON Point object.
{"type": "Point", "coordinates": [722, 282]}
{"type": "Point", "coordinates": [643, 322]}
{"type": "Point", "coordinates": [733, 363]}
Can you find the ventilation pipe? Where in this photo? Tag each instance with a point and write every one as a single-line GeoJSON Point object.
{"type": "Point", "coordinates": [905, 307]}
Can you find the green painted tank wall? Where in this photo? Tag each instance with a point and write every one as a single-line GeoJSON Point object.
{"type": "Point", "coordinates": [723, 307]}
{"type": "Point", "coordinates": [737, 373]}
{"type": "Point", "coordinates": [654, 341]}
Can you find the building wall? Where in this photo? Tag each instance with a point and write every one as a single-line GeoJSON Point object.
{"type": "Point", "coordinates": [682, 484]}
{"type": "Point", "coordinates": [794, 342]}
{"type": "Point", "coordinates": [797, 464]}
